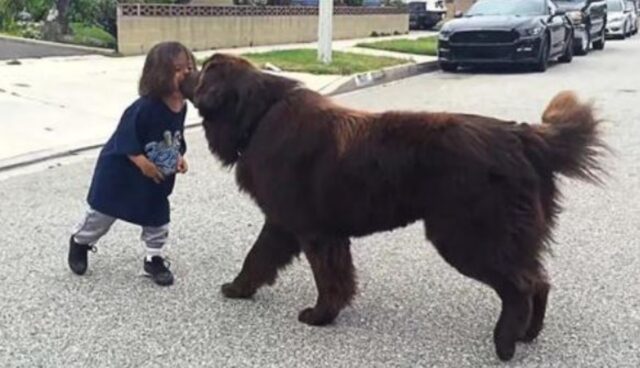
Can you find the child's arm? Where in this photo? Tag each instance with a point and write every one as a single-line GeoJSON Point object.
{"type": "Point", "coordinates": [147, 167]}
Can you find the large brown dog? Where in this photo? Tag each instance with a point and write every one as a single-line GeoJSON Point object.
{"type": "Point", "coordinates": [322, 173]}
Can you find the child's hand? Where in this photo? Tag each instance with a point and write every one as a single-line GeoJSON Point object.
{"type": "Point", "coordinates": [183, 167]}
{"type": "Point", "coordinates": [148, 168]}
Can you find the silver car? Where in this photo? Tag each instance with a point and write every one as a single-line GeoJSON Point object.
{"type": "Point", "coordinates": [619, 20]}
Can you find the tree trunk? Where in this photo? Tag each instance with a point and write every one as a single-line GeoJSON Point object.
{"type": "Point", "coordinates": [63, 6]}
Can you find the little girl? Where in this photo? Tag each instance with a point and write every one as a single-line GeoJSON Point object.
{"type": "Point", "coordinates": [135, 172]}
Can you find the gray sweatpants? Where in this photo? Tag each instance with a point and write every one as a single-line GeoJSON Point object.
{"type": "Point", "coordinates": [96, 224]}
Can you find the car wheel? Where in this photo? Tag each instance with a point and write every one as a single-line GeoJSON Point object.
{"type": "Point", "coordinates": [543, 59]}
{"type": "Point", "coordinates": [599, 43]}
{"type": "Point", "coordinates": [626, 32]}
{"type": "Point", "coordinates": [567, 55]}
{"type": "Point", "coordinates": [582, 47]}
{"type": "Point", "coordinates": [448, 67]}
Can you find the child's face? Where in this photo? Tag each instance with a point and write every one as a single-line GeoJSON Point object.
{"type": "Point", "coordinates": [182, 69]}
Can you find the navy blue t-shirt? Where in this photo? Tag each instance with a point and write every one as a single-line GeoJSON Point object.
{"type": "Point", "coordinates": [119, 189]}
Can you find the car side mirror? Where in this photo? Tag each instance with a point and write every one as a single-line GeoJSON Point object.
{"type": "Point", "coordinates": [458, 14]}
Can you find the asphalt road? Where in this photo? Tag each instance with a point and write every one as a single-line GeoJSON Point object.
{"type": "Point", "coordinates": [412, 310]}
{"type": "Point", "coordinates": [10, 49]}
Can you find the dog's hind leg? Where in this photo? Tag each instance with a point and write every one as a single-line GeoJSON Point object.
{"type": "Point", "coordinates": [512, 271]}
{"type": "Point", "coordinates": [516, 313]}
{"type": "Point", "coordinates": [539, 308]}
{"type": "Point", "coordinates": [334, 274]}
{"type": "Point", "coordinates": [274, 249]}
{"type": "Point", "coordinates": [516, 297]}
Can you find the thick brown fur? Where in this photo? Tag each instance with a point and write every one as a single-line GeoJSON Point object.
{"type": "Point", "coordinates": [322, 173]}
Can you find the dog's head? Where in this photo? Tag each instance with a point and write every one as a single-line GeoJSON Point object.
{"type": "Point", "coordinates": [232, 96]}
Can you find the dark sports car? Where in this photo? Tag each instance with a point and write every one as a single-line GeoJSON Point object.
{"type": "Point", "coordinates": [506, 31]}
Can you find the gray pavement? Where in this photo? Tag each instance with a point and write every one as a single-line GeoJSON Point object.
{"type": "Point", "coordinates": [15, 48]}
{"type": "Point", "coordinates": [412, 310]}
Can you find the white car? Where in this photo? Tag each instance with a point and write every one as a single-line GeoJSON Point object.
{"type": "Point", "coordinates": [618, 19]}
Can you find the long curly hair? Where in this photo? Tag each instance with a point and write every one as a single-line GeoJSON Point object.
{"type": "Point", "coordinates": [158, 71]}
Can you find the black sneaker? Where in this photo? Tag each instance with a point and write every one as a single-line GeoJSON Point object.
{"type": "Point", "coordinates": [78, 256]}
{"type": "Point", "coordinates": [158, 270]}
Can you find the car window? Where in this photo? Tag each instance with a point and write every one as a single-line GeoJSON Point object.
{"type": "Point", "coordinates": [417, 6]}
{"type": "Point", "coordinates": [614, 6]}
{"type": "Point", "coordinates": [508, 7]}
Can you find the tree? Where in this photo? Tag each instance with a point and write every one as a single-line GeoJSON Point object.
{"type": "Point", "coordinates": [8, 11]}
{"type": "Point", "coordinates": [62, 6]}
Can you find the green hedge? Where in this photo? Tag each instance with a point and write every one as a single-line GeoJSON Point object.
{"type": "Point", "coordinates": [92, 36]}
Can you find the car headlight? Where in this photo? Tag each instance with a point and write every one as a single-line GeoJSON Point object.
{"type": "Point", "coordinates": [444, 34]}
{"type": "Point", "coordinates": [533, 31]}
{"type": "Point", "coordinates": [575, 17]}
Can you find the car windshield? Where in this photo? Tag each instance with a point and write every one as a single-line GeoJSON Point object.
{"type": "Point", "coordinates": [614, 6]}
{"type": "Point", "coordinates": [507, 7]}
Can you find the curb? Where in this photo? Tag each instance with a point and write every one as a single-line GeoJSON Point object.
{"type": "Point", "coordinates": [348, 84]}
{"type": "Point", "coordinates": [33, 158]}
{"type": "Point", "coordinates": [87, 49]}
{"type": "Point", "coordinates": [377, 77]}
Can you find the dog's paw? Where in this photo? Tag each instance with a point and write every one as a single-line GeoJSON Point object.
{"type": "Point", "coordinates": [531, 333]}
{"type": "Point", "coordinates": [230, 290]}
{"type": "Point", "coordinates": [505, 350]}
{"type": "Point", "coordinates": [316, 317]}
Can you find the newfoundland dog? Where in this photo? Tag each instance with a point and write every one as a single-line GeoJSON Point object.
{"type": "Point", "coordinates": [322, 173]}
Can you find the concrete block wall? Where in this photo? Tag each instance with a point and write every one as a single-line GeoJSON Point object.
{"type": "Point", "coordinates": [203, 27]}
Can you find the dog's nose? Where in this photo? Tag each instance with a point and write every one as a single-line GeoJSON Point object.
{"type": "Point", "coordinates": [188, 85]}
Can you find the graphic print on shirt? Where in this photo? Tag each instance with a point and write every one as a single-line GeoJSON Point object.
{"type": "Point", "coordinates": [164, 154]}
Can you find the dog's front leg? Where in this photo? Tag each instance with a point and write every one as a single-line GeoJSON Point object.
{"type": "Point", "coordinates": [334, 274]}
{"type": "Point", "coordinates": [274, 249]}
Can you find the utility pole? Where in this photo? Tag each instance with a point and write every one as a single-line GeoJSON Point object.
{"type": "Point", "coordinates": [325, 30]}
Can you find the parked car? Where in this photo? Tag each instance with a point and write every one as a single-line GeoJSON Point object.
{"type": "Point", "coordinates": [619, 25]}
{"type": "Point", "coordinates": [506, 31]}
{"type": "Point", "coordinates": [589, 18]}
{"type": "Point", "coordinates": [632, 8]}
{"type": "Point", "coordinates": [425, 14]}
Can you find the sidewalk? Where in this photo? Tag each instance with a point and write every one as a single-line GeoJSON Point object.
{"type": "Point", "coordinates": [54, 106]}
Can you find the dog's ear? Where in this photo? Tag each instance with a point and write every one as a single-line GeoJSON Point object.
{"type": "Point", "coordinates": [252, 100]}
{"type": "Point", "coordinates": [255, 93]}
{"type": "Point", "coordinates": [210, 97]}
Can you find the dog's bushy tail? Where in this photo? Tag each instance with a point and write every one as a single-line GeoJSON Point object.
{"type": "Point", "coordinates": [571, 132]}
